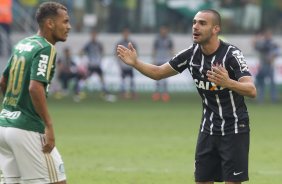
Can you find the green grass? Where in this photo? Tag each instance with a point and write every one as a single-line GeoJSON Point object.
{"type": "Point", "coordinates": [145, 142]}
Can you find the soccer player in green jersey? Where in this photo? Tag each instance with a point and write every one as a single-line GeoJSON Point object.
{"type": "Point", "coordinates": [27, 142]}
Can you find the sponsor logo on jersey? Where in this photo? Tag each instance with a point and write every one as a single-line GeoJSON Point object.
{"type": "Point", "coordinates": [24, 47]}
{"type": "Point", "coordinates": [42, 66]}
{"type": "Point", "coordinates": [9, 114]}
{"type": "Point", "coordinates": [206, 85]}
{"type": "Point", "coordinates": [241, 60]}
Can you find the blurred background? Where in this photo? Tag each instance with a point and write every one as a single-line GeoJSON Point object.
{"type": "Point", "coordinates": [244, 23]}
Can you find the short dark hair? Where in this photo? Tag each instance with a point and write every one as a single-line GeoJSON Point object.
{"type": "Point", "coordinates": [47, 10]}
{"type": "Point", "coordinates": [217, 17]}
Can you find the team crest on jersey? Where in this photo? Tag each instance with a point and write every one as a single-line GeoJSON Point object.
{"type": "Point", "coordinates": [206, 85]}
{"type": "Point", "coordinates": [42, 66]}
{"type": "Point", "coordinates": [241, 60]}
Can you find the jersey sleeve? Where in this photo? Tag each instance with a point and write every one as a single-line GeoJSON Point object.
{"type": "Point", "coordinates": [43, 65]}
{"type": "Point", "coordinates": [237, 63]}
{"type": "Point", "coordinates": [180, 61]}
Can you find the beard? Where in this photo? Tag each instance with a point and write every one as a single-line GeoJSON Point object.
{"type": "Point", "coordinates": [58, 36]}
{"type": "Point", "coordinates": [59, 39]}
{"type": "Point", "coordinates": [204, 40]}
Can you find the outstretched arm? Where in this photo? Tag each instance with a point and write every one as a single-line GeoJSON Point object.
{"type": "Point", "coordinates": [3, 84]}
{"type": "Point", "coordinates": [245, 86]}
{"type": "Point", "coordinates": [129, 56]}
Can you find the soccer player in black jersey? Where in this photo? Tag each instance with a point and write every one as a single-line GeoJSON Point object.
{"type": "Point", "coordinates": [222, 78]}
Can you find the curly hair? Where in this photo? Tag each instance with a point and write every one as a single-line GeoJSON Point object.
{"type": "Point", "coordinates": [48, 10]}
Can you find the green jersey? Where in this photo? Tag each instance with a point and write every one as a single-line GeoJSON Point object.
{"type": "Point", "coordinates": [33, 59]}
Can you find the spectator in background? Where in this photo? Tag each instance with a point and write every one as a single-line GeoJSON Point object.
{"type": "Point", "coordinates": [102, 10]}
{"type": "Point", "coordinates": [126, 70]}
{"type": "Point", "coordinates": [227, 12]}
{"type": "Point", "coordinates": [131, 7]}
{"type": "Point", "coordinates": [268, 52]}
{"type": "Point", "coordinates": [68, 71]}
{"type": "Point", "coordinates": [78, 12]}
{"type": "Point", "coordinates": [163, 50]}
{"type": "Point", "coordinates": [6, 19]}
{"type": "Point", "coordinates": [252, 16]}
{"type": "Point", "coordinates": [148, 15]}
{"type": "Point", "coordinates": [238, 8]}
{"type": "Point", "coordinates": [95, 52]}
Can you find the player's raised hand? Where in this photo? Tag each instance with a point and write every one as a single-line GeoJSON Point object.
{"type": "Point", "coordinates": [127, 55]}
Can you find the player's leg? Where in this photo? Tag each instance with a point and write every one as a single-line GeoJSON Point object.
{"type": "Point", "coordinates": [207, 160]}
{"type": "Point", "coordinates": [273, 91]}
{"type": "Point", "coordinates": [260, 83]}
{"type": "Point", "coordinates": [234, 151]}
{"type": "Point", "coordinates": [156, 95]}
{"type": "Point", "coordinates": [122, 85]}
{"type": "Point", "coordinates": [165, 94]}
{"type": "Point", "coordinates": [132, 83]}
{"type": "Point", "coordinates": [102, 79]}
{"type": "Point", "coordinates": [34, 165]}
{"type": "Point", "coordinates": [9, 167]}
{"type": "Point", "coordinates": [64, 82]}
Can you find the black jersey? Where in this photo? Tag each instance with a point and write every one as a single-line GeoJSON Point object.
{"type": "Point", "coordinates": [224, 110]}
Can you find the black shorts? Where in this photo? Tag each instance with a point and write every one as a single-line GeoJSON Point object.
{"type": "Point", "coordinates": [222, 158]}
{"type": "Point", "coordinates": [95, 69]}
{"type": "Point", "coordinates": [126, 72]}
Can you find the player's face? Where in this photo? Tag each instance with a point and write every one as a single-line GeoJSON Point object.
{"type": "Point", "coordinates": [61, 26]}
{"type": "Point", "coordinates": [203, 28]}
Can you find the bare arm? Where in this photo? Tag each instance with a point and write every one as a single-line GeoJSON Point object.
{"type": "Point", "coordinates": [37, 93]}
{"type": "Point", "coordinates": [129, 56]}
{"type": "Point", "coordinates": [245, 86]}
{"type": "Point", "coordinates": [3, 84]}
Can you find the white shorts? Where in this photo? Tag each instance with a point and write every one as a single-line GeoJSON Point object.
{"type": "Point", "coordinates": [23, 161]}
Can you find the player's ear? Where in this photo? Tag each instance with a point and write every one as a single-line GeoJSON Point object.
{"type": "Point", "coordinates": [216, 29]}
{"type": "Point", "coordinates": [50, 23]}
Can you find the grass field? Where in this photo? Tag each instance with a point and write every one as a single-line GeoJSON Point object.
{"type": "Point", "coordinates": [144, 142]}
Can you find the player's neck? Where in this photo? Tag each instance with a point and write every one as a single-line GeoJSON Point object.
{"type": "Point", "coordinates": [211, 46]}
{"type": "Point", "coordinates": [46, 36]}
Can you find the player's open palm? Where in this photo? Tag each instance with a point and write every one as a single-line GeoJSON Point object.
{"type": "Point", "coordinates": [127, 55]}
